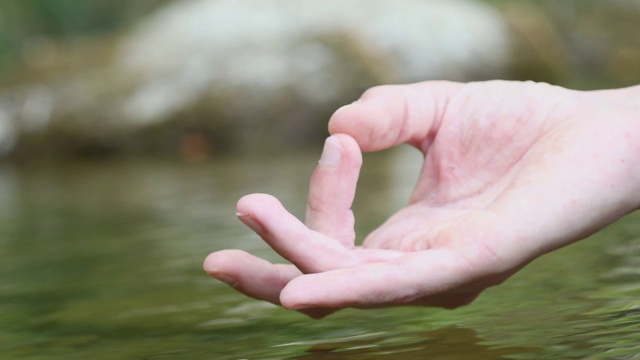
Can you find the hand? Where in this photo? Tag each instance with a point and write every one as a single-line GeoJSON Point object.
{"type": "Point", "coordinates": [511, 171]}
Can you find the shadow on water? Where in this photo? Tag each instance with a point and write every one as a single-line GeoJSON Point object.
{"type": "Point", "coordinates": [445, 343]}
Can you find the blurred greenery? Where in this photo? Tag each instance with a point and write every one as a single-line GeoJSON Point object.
{"type": "Point", "coordinates": [24, 20]}
{"type": "Point", "coordinates": [46, 45]}
{"type": "Point", "coordinates": [577, 43]}
{"type": "Point", "coordinates": [583, 44]}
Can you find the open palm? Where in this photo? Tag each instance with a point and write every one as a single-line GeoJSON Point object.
{"type": "Point", "coordinates": [511, 171]}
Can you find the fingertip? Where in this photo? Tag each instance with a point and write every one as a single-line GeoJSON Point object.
{"type": "Point", "coordinates": [294, 297]}
{"type": "Point", "coordinates": [265, 215]}
{"type": "Point", "coordinates": [290, 300]}
{"type": "Point", "coordinates": [374, 120]}
{"type": "Point", "coordinates": [339, 119]}
{"type": "Point", "coordinates": [345, 139]}
{"type": "Point", "coordinates": [221, 260]}
{"type": "Point", "coordinates": [254, 209]}
{"type": "Point", "coordinates": [348, 120]}
{"type": "Point", "coordinates": [250, 202]}
{"type": "Point", "coordinates": [341, 151]}
{"type": "Point", "coordinates": [221, 265]}
{"type": "Point", "coordinates": [350, 148]}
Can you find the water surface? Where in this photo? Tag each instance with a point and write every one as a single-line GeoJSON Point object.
{"type": "Point", "coordinates": [103, 260]}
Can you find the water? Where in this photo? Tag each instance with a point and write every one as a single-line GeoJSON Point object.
{"type": "Point", "coordinates": [103, 261]}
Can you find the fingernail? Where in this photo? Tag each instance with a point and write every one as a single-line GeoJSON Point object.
{"type": "Point", "coordinates": [331, 153]}
{"type": "Point", "coordinates": [226, 279]}
{"type": "Point", "coordinates": [247, 220]}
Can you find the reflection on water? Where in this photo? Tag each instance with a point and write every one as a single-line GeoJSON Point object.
{"type": "Point", "coordinates": [444, 343]}
{"type": "Point", "coordinates": [104, 261]}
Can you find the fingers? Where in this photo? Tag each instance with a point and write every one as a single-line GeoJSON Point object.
{"type": "Point", "coordinates": [250, 275]}
{"type": "Point", "coordinates": [332, 190]}
{"type": "Point", "coordinates": [419, 278]}
{"type": "Point", "coordinates": [255, 277]}
{"type": "Point", "coordinates": [387, 116]}
{"type": "Point", "coordinates": [309, 250]}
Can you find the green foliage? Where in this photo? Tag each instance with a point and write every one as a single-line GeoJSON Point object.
{"type": "Point", "coordinates": [21, 20]}
{"type": "Point", "coordinates": [582, 44]}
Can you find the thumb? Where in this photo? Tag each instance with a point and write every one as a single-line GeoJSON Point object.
{"type": "Point", "coordinates": [386, 116]}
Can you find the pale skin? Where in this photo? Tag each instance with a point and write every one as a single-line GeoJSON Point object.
{"type": "Point", "coordinates": [511, 171]}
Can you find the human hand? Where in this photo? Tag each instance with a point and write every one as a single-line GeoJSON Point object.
{"type": "Point", "coordinates": [511, 171]}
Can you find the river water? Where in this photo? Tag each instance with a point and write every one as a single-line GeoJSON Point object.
{"type": "Point", "coordinates": [103, 260]}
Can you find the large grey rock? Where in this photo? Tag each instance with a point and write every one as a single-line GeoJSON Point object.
{"type": "Point", "coordinates": [260, 46]}
{"type": "Point", "coordinates": [252, 71]}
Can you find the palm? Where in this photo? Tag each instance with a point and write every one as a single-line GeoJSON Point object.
{"type": "Point", "coordinates": [481, 152]}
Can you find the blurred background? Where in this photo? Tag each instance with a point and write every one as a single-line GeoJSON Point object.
{"type": "Point", "coordinates": [129, 129]}
{"type": "Point", "coordinates": [198, 78]}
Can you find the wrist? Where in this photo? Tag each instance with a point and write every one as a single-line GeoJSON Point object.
{"type": "Point", "coordinates": [617, 113]}
{"type": "Point", "coordinates": [629, 111]}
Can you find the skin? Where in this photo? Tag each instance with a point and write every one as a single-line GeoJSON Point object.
{"type": "Point", "coordinates": [511, 171]}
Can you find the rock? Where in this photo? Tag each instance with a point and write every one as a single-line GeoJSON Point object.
{"type": "Point", "coordinates": [237, 73]}
{"type": "Point", "coordinates": [259, 46]}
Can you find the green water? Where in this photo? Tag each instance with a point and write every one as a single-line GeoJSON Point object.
{"type": "Point", "coordinates": [103, 261]}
